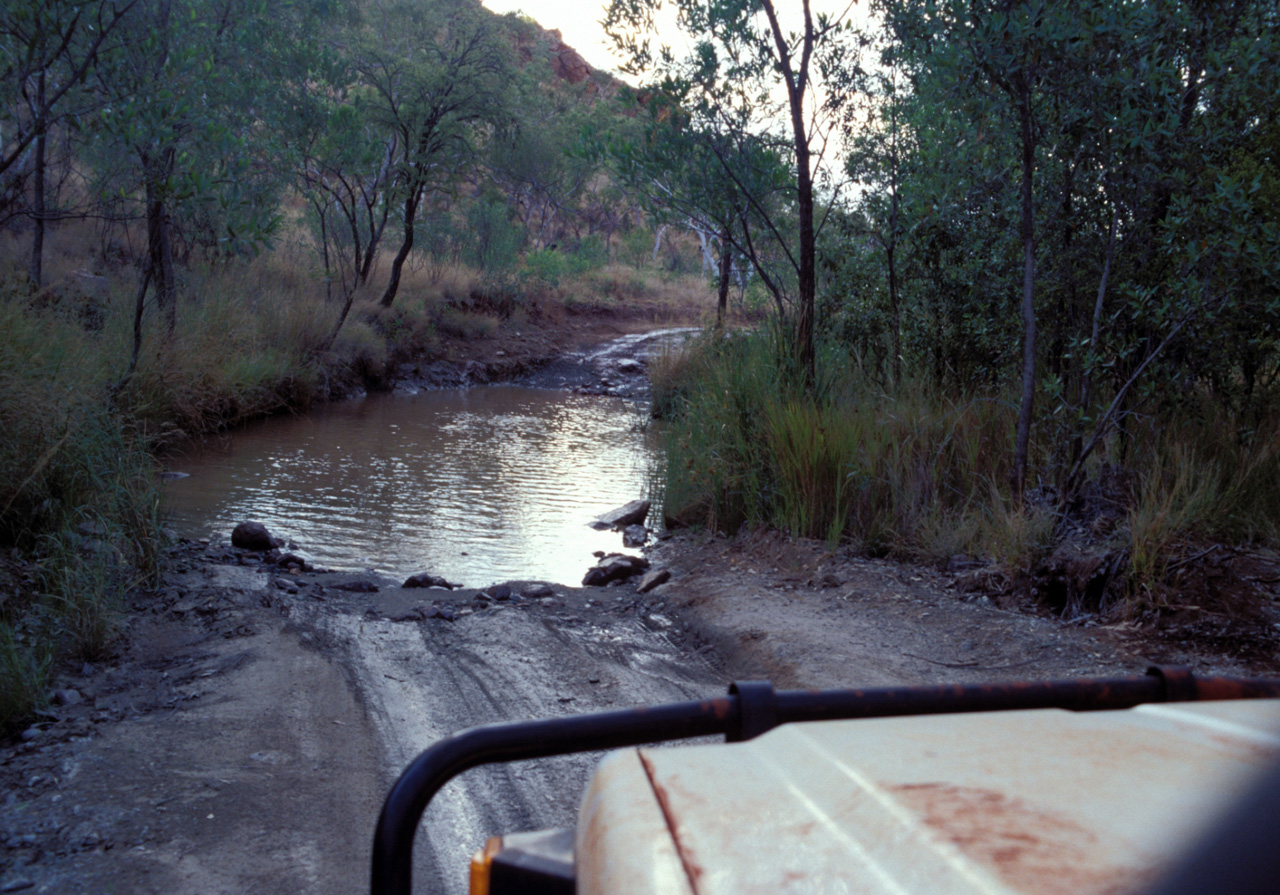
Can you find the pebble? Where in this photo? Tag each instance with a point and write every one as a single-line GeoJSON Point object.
{"type": "Point", "coordinates": [67, 697]}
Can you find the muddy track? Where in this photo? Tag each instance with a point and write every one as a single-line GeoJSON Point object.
{"type": "Point", "coordinates": [246, 738]}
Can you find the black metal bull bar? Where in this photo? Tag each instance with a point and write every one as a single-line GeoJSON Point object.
{"type": "Point", "coordinates": [750, 709]}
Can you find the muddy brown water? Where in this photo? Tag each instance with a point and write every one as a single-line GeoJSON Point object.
{"type": "Point", "coordinates": [478, 485]}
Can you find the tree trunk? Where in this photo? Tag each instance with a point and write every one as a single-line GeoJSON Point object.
{"type": "Point", "coordinates": [348, 298]}
{"type": "Point", "coordinates": [657, 242]}
{"type": "Point", "coordinates": [797, 81]}
{"type": "Point", "coordinates": [139, 305]}
{"type": "Point", "coordinates": [892, 246]}
{"type": "Point", "coordinates": [1086, 389]}
{"type": "Point", "coordinates": [726, 265]}
{"type": "Point", "coordinates": [893, 308]}
{"type": "Point", "coordinates": [375, 236]}
{"type": "Point", "coordinates": [1028, 291]}
{"type": "Point", "coordinates": [808, 281]}
{"type": "Point", "coordinates": [393, 285]}
{"type": "Point", "coordinates": [159, 245]}
{"type": "Point", "coordinates": [36, 271]}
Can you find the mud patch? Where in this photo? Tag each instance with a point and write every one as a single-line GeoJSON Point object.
{"type": "Point", "coordinates": [1030, 848]}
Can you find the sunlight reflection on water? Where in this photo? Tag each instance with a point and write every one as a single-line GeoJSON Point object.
{"type": "Point", "coordinates": [477, 485]}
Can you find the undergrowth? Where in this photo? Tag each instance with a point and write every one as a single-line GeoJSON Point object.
{"type": "Point", "coordinates": [921, 474]}
{"type": "Point", "coordinates": [79, 512]}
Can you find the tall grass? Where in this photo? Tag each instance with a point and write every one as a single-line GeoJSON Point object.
{"type": "Point", "coordinates": [918, 473]}
{"type": "Point", "coordinates": [1200, 476]}
{"type": "Point", "coordinates": [909, 472]}
{"type": "Point", "coordinates": [78, 499]}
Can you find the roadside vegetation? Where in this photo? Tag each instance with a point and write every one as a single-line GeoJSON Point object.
{"type": "Point", "coordinates": [1047, 327]}
{"type": "Point", "coordinates": [80, 518]}
{"type": "Point", "coordinates": [1019, 263]}
{"type": "Point", "coordinates": [925, 474]}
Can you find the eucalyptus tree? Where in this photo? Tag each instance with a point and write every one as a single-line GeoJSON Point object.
{"type": "Point", "coordinates": [345, 169]}
{"type": "Point", "coordinates": [1109, 140]}
{"type": "Point", "coordinates": [47, 50]}
{"type": "Point", "coordinates": [186, 129]}
{"type": "Point", "coordinates": [755, 78]}
{"type": "Point", "coordinates": [678, 170]}
{"type": "Point", "coordinates": [190, 139]}
{"type": "Point", "coordinates": [880, 141]}
{"type": "Point", "coordinates": [535, 156]}
{"type": "Point", "coordinates": [437, 73]}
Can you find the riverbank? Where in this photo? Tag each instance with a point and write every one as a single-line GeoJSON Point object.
{"type": "Point", "coordinates": [248, 727]}
{"type": "Point", "coordinates": [249, 718]}
{"type": "Point", "coordinates": [79, 503]}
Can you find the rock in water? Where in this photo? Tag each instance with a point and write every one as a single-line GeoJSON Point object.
{"type": "Point", "coordinates": [634, 536]}
{"type": "Point", "coordinates": [628, 514]}
{"type": "Point", "coordinates": [252, 536]}
{"type": "Point", "coordinates": [614, 567]}
{"type": "Point", "coordinates": [285, 560]}
{"type": "Point", "coordinates": [426, 579]}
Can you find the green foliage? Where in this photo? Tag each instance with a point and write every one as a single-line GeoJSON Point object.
{"type": "Point", "coordinates": [79, 498]}
{"type": "Point", "coordinates": [902, 471]}
{"type": "Point", "coordinates": [1143, 121]}
{"type": "Point", "coordinates": [492, 241]}
{"type": "Point", "coordinates": [811, 446]}
{"type": "Point", "coordinates": [724, 152]}
{"type": "Point", "coordinates": [25, 672]}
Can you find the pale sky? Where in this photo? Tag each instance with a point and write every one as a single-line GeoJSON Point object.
{"type": "Point", "coordinates": [579, 22]}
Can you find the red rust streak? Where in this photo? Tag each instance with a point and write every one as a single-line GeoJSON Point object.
{"type": "Point", "coordinates": [692, 870]}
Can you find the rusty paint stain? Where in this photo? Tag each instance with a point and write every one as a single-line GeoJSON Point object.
{"type": "Point", "coordinates": [692, 869]}
{"type": "Point", "coordinates": [1247, 750]}
{"type": "Point", "coordinates": [1029, 848]}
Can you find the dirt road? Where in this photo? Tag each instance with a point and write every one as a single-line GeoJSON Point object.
{"type": "Point", "coordinates": [245, 740]}
{"type": "Point", "coordinates": [246, 736]}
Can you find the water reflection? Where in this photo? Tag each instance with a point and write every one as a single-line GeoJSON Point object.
{"type": "Point", "coordinates": [478, 485]}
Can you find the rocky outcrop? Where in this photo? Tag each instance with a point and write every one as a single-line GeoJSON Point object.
{"type": "Point", "coordinates": [292, 560]}
{"type": "Point", "coordinates": [634, 536]}
{"type": "Point", "coordinates": [652, 580]}
{"type": "Point", "coordinates": [566, 63]}
{"type": "Point", "coordinates": [697, 512]}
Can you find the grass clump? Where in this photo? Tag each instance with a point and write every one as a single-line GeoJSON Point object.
{"type": "Point", "coordinates": [908, 472]}
{"type": "Point", "coordinates": [915, 472]}
{"type": "Point", "coordinates": [79, 507]}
